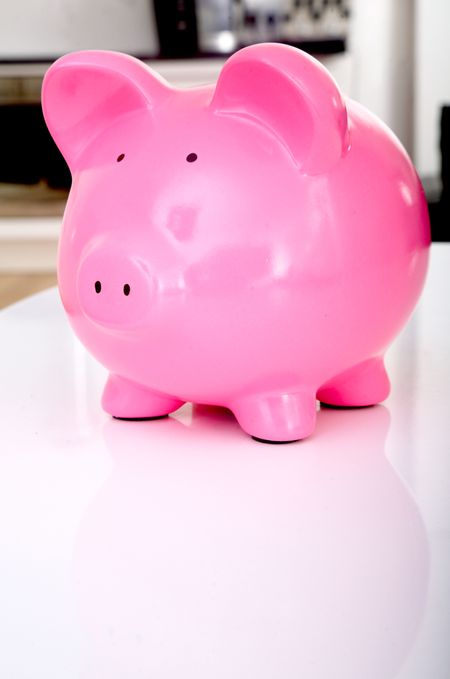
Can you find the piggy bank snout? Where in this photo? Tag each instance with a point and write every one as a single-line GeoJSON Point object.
{"type": "Point", "coordinates": [115, 289]}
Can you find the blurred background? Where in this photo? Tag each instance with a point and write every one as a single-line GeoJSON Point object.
{"type": "Point", "coordinates": [392, 56]}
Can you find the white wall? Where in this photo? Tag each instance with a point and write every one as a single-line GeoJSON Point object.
{"type": "Point", "coordinates": [381, 46]}
{"type": "Point", "coordinates": [36, 29]}
{"type": "Point", "coordinates": [400, 54]}
{"type": "Point", "coordinates": [432, 80]}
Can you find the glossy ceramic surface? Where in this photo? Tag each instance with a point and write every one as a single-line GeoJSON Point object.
{"type": "Point", "coordinates": [182, 549]}
{"type": "Point", "coordinates": [251, 245]}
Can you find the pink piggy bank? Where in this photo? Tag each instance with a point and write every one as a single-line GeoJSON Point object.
{"type": "Point", "coordinates": [256, 244]}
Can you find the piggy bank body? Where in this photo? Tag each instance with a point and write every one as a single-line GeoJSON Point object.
{"type": "Point", "coordinates": [256, 244]}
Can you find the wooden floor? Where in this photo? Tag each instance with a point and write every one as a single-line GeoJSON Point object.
{"type": "Point", "coordinates": [17, 286]}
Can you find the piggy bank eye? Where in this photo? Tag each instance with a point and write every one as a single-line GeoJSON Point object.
{"type": "Point", "coordinates": [192, 157]}
{"type": "Point", "coordinates": [120, 158]}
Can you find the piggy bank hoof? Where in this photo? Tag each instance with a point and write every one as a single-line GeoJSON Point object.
{"type": "Point", "coordinates": [126, 400]}
{"type": "Point", "coordinates": [283, 417]}
{"type": "Point", "coordinates": [256, 438]}
{"type": "Point", "coordinates": [331, 406]}
{"type": "Point", "coordinates": [366, 384]}
{"type": "Point", "coordinates": [140, 419]}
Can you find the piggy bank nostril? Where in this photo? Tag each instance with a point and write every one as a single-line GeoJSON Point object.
{"type": "Point", "coordinates": [114, 287]}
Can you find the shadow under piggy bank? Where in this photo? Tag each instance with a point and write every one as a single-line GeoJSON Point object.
{"type": "Point", "coordinates": [209, 555]}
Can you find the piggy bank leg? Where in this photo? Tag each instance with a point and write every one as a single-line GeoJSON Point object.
{"type": "Point", "coordinates": [277, 417]}
{"type": "Point", "coordinates": [130, 401]}
{"type": "Point", "coordinates": [363, 385]}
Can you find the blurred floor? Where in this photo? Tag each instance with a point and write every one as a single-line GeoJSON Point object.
{"type": "Point", "coordinates": [37, 200]}
{"type": "Point", "coordinates": [17, 286]}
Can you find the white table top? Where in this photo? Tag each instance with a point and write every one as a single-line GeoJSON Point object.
{"type": "Point", "coordinates": [183, 549]}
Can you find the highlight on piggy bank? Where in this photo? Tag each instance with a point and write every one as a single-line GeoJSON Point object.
{"type": "Point", "coordinates": [255, 244]}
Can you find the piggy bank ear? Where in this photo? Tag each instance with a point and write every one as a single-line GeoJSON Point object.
{"type": "Point", "coordinates": [290, 94]}
{"type": "Point", "coordinates": [85, 92]}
